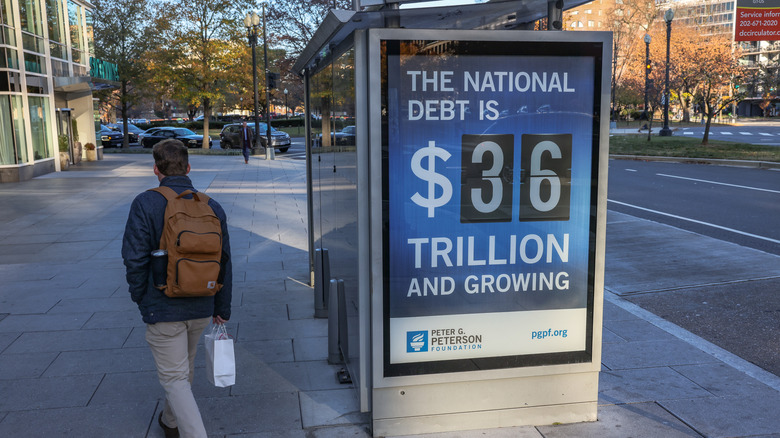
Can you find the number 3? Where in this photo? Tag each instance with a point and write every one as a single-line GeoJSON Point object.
{"type": "Point", "coordinates": [488, 175]}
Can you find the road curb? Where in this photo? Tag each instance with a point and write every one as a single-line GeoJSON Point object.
{"type": "Point", "coordinates": [688, 160]}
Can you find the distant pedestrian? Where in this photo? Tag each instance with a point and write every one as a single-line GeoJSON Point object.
{"type": "Point", "coordinates": [173, 325]}
{"type": "Point", "coordinates": [246, 139]}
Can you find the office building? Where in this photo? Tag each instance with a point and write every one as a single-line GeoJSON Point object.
{"type": "Point", "coordinates": [46, 57]}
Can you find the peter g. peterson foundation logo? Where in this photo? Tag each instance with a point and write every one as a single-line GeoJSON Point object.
{"type": "Point", "coordinates": [416, 341]}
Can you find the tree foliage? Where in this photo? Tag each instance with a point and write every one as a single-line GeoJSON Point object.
{"type": "Point", "coordinates": [205, 55]}
{"type": "Point", "coordinates": [705, 68]}
{"type": "Point", "coordinates": [702, 70]}
{"type": "Point", "coordinates": [125, 31]}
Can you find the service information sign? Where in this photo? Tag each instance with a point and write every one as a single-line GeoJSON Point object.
{"type": "Point", "coordinates": [757, 20]}
{"type": "Point", "coordinates": [490, 183]}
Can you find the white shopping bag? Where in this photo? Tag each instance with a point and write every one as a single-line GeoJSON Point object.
{"type": "Point", "coordinates": [220, 360]}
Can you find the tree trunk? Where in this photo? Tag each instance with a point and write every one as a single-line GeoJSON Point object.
{"type": "Point", "coordinates": [686, 106]}
{"type": "Point", "coordinates": [706, 140]}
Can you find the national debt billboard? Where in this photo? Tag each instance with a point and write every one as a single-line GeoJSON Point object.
{"type": "Point", "coordinates": [490, 171]}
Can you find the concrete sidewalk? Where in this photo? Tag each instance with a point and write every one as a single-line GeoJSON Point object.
{"type": "Point", "coordinates": [74, 362]}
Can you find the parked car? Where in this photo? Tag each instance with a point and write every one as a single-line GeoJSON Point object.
{"type": "Point", "coordinates": [132, 130]}
{"type": "Point", "coordinates": [230, 134]}
{"type": "Point", "coordinates": [155, 135]}
{"type": "Point", "coordinates": [111, 138]}
{"type": "Point", "coordinates": [345, 137]}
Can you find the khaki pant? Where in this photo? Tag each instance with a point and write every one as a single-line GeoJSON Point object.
{"type": "Point", "coordinates": [174, 345]}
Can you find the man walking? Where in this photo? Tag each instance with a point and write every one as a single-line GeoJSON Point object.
{"type": "Point", "coordinates": [246, 139]}
{"type": "Point", "coordinates": [173, 325]}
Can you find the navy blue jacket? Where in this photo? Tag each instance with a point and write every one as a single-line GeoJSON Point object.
{"type": "Point", "coordinates": [142, 235]}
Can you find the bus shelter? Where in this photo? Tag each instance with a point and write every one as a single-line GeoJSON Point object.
{"type": "Point", "coordinates": [457, 211]}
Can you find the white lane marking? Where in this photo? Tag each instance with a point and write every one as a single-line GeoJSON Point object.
{"type": "Point", "coordinates": [765, 133]}
{"type": "Point", "coordinates": [726, 133]}
{"type": "Point", "coordinates": [745, 133]}
{"type": "Point", "coordinates": [630, 170]}
{"type": "Point", "coordinates": [697, 222]}
{"type": "Point", "coordinates": [719, 183]}
{"type": "Point", "coordinates": [688, 133]}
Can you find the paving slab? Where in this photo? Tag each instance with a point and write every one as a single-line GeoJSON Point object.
{"type": "Point", "coordinates": [47, 393]}
{"type": "Point", "coordinates": [648, 354]}
{"type": "Point", "coordinates": [241, 414]}
{"type": "Point", "coordinates": [646, 420]}
{"type": "Point", "coordinates": [722, 380]}
{"type": "Point", "coordinates": [717, 417]}
{"type": "Point", "coordinates": [133, 420]}
{"type": "Point", "coordinates": [646, 385]}
{"type": "Point", "coordinates": [331, 407]}
{"type": "Point", "coordinates": [73, 363]}
{"type": "Point", "coordinates": [43, 323]}
{"type": "Point", "coordinates": [25, 365]}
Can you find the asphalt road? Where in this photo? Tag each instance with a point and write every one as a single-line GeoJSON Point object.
{"type": "Point", "coordinates": [740, 205]}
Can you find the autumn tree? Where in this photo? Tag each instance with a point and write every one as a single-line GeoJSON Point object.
{"type": "Point", "coordinates": [629, 21]}
{"type": "Point", "coordinates": [205, 54]}
{"type": "Point", "coordinates": [706, 68]}
{"type": "Point", "coordinates": [125, 30]}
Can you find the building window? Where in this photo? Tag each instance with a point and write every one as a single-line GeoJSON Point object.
{"type": "Point", "coordinates": [59, 68]}
{"type": "Point", "coordinates": [39, 126]}
{"type": "Point", "coordinates": [56, 21]}
{"type": "Point", "coordinates": [7, 35]}
{"type": "Point", "coordinates": [76, 34]}
{"type": "Point", "coordinates": [37, 84]}
{"type": "Point", "coordinates": [34, 63]}
{"type": "Point", "coordinates": [8, 58]}
{"type": "Point", "coordinates": [30, 17]}
{"type": "Point", "coordinates": [90, 31]}
{"type": "Point", "coordinates": [6, 15]}
{"type": "Point", "coordinates": [33, 43]}
{"type": "Point", "coordinates": [10, 81]}
{"type": "Point", "coordinates": [13, 147]}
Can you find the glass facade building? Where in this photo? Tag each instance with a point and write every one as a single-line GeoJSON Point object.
{"type": "Point", "coordinates": [45, 92]}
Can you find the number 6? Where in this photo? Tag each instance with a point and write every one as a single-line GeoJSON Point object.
{"type": "Point", "coordinates": [538, 175]}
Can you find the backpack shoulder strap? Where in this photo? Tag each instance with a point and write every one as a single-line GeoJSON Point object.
{"type": "Point", "coordinates": [168, 192]}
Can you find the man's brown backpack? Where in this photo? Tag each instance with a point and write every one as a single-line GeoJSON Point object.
{"type": "Point", "coordinates": [192, 235]}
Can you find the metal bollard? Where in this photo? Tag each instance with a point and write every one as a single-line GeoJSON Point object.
{"type": "Point", "coordinates": [334, 355]}
{"type": "Point", "coordinates": [321, 279]}
{"type": "Point", "coordinates": [342, 318]}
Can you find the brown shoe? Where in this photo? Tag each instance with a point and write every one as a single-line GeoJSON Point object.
{"type": "Point", "coordinates": [170, 432]}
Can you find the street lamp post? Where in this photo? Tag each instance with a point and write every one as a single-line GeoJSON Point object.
{"type": "Point", "coordinates": [668, 16]}
{"type": "Point", "coordinates": [252, 21]}
{"type": "Point", "coordinates": [647, 82]}
{"type": "Point", "coordinates": [286, 108]}
{"type": "Point", "coordinates": [269, 150]}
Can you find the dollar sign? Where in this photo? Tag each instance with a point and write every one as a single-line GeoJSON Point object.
{"type": "Point", "coordinates": [429, 174]}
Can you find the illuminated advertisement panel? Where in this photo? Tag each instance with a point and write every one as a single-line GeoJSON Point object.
{"type": "Point", "coordinates": [490, 153]}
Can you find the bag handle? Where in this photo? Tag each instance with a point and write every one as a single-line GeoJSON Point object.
{"type": "Point", "coordinates": [220, 332]}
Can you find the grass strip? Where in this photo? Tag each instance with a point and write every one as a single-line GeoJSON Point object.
{"type": "Point", "coordinates": [686, 147]}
